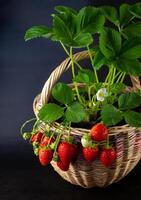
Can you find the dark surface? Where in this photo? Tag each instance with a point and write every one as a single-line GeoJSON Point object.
{"type": "Point", "coordinates": [24, 67]}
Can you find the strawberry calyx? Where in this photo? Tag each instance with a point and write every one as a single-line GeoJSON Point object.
{"type": "Point", "coordinates": [47, 134]}
{"type": "Point", "coordinates": [53, 145]}
{"type": "Point", "coordinates": [70, 140]}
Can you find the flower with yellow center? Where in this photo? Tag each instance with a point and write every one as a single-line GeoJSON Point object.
{"type": "Point", "coordinates": [101, 94]}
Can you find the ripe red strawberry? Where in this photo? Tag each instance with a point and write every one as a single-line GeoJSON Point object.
{"type": "Point", "coordinates": [99, 132]}
{"type": "Point", "coordinates": [37, 137]}
{"type": "Point", "coordinates": [45, 156]}
{"type": "Point", "coordinates": [108, 156]}
{"type": "Point", "coordinates": [45, 141]}
{"type": "Point", "coordinates": [67, 152]}
{"type": "Point", "coordinates": [90, 153]}
{"type": "Point", "coordinates": [62, 166]}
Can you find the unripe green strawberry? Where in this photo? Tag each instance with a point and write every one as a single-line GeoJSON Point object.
{"type": "Point", "coordinates": [36, 151]}
{"type": "Point", "coordinates": [26, 136]}
{"type": "Point", "coordinates": [86, 140]}
{"type": "Point", "coordinates": [35, 144]}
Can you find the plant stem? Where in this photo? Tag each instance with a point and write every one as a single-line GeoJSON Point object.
{"type": "Point", "coordinates": [28, 121]}
{"type": "Point", "coordinates": [122, 79]}
{"type": "Point", "coordinates": [57, 142]}
{"type": "Point", "coordinates": [67, 52]}
{"type": "Point", "coordinates": [114, 73]}
{"type": "Point", "coordinates": [65, 49]}
{"type": "Point", "coordinates": [73, 75]}
{"type": "Point", "coordinates": [95, 72]}
{"type": "Point", "coordinates": [119, 78]}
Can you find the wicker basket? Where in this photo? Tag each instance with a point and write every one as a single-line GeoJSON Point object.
{"type": "Point", "coordinates": [127, 141]}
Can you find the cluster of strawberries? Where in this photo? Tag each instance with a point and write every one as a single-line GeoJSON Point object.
{"type": "Point", "coordinates": [91, 149]}
{"type": "Point", "coordinates": [45, 146]}
{"type": "Point", "coordinates": [66, 151]}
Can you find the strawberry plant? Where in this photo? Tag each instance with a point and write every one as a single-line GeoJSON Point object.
{"type": "Point", "coordinates": [112, 39]}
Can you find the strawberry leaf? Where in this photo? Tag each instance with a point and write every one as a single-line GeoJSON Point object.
{"type": "Point", "coordinates": [38, 31]}
{"type": "Point", "coordinates": [110, 115]}
{"type": "Point", "coordinates": [129, 101]}
{"type": "Point", "coordinates": [110, 42]}
{"type": "Point", "coordinates": [50, 112]}
{"type": "Point", "coordinates": [62, 93]}
{"type": "Point", "coordinates": [133, 118]}
{"type": "Point", "coordinates": [75, 113]}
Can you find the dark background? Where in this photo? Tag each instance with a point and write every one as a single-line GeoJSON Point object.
{"type": "Point", "coordinates": [24, 68]}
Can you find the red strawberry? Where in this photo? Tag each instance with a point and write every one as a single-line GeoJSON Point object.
{"type": "Point", "coordinates": [99, 132]}
{"type": "Point", "coordinates": [108, 156]}
{"type": "Point", "coordinates": [45, 141]}
{"type": "Point", "coordinates": [67, 152]}
{"type": "Point", "coordinates": [90, 153]}
{"type": "Point", "coordinates": [62, 166]}
{"type": "Point", "coordinates": [37, 137]}
{"type": "Point", "coordinates": [45, 156]}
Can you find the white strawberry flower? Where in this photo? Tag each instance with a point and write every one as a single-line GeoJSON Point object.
{"type": "Point", "coordinates": [101, 94]}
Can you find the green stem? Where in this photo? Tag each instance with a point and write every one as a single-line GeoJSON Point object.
{"type": "Point", "coordinates": [95, 72]}
{"type": "Point", "coordinates": [73, 75]}
{"type": "Point", "coordinates": [67, 52]}
{"type": "Point", "coordinates": [120, 76]}
{"type": "Point", "coordinates": [65, 49]}
{"type": "Point", "coordinates": [107, 142]}
{"type": "Point", "coordinates": [122, 79]}
{"type": "Point", "coordinates": [27, 122]}
{"type": "Point", "coordinates": [72, 63]}
{"type": "Point", "coordinates": [114, 73]}
{"type": "Point", "coordinates": [108, 75]}
{"type": "Point", "coordinates": [57, 142]}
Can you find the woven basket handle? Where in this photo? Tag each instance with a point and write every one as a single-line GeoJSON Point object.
{"type": "Point", "coordinates": [64, 66]}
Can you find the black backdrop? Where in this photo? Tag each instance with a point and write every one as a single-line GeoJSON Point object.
{"type": "Point", "coordinates": [24, 67]}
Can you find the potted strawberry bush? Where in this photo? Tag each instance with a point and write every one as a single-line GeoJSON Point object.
{"type": "Point", "coordinates": [89, 130]}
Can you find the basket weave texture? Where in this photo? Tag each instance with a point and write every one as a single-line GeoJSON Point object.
{"type": "Point", "coordinates": [126, 139]}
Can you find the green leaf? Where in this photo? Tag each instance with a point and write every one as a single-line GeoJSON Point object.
{"type": "Point", "coordinates": [129, 101]}
{"type": "Point", "coordinates": [69, 19]}
{"type": "Point", "coordinates": [82, 40]}
{"type": "Point", "coordinates": [131, 67]}
{"type": "Point", "coordinates": [89, 20]}
{"type": "Point", "coordinates": [75, 113]}
{"type": "Point", "coordinates": [111, 14]}
{"type": "Point", "coordinates": [38, 31]}
{"type": "Point", "coordinates": [99, 60]}
{"type": "Point", "coordinates": [85, 76]}
{"type": "Point", "coordinates": [133, 118]}
{"type": "Point", "coordinates": [117, 88]}
{"type": "Point", "coordinates": [131, 48]}
{"type": "Point", "coordinates": [136, 10]}
{"type": "Point", "coordinates": [110, 42]}
{"type": "Point", "coordinates": [133, 30]}
{"type": "Point", "coordinates": [62, 93]}
{"type": "Point", "coordinates": [125, 15]}
{"type": "Point", "coordinates": [65, 30]}
{"type": "Point", "coordinates": [64, 9]}
{"type": "Point", "coordinates": [110, 115]}
{"type": "Point", "coordinates": [50, 112]}
{"type": "Point", "coordinates": [61, 30]}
